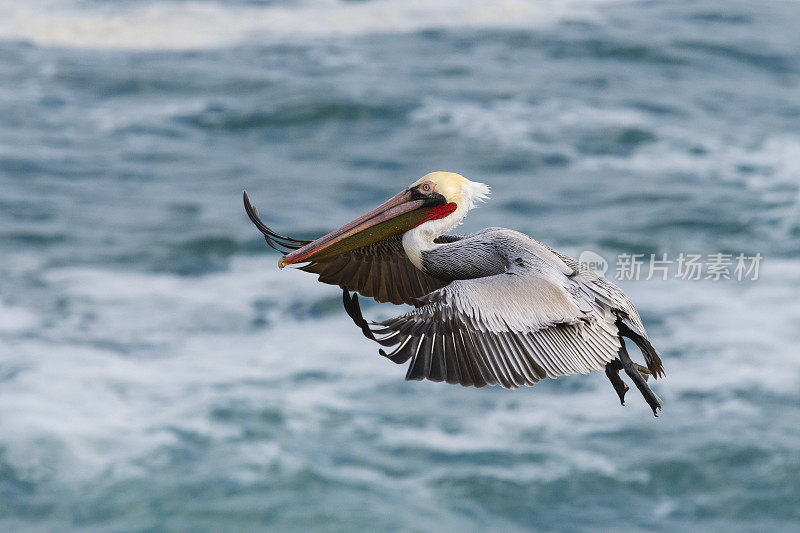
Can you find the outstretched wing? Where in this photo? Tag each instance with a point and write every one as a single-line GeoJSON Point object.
{"type": "Point", "coordinates": [510, 329]}
{"type": "Point", "coordinates": [381, 270]}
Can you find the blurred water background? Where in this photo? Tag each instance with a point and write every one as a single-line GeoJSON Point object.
{"type": "Point", "coordinates": [157, 371]}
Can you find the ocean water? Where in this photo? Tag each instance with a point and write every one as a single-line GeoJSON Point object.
{"type": "Point", "coordinates": [158, 372]}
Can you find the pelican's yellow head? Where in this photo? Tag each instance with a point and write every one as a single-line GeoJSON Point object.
{"type": "Point", "coordinates": [454, 187]}
{"type": "Point", "coordinates": [434, 203]}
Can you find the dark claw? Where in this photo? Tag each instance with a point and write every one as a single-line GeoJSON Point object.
{"type": "Point", "coordinates": [612, 372]}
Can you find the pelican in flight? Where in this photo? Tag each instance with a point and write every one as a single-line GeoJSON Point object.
{"type": "Point", "coordinates": [494, 307]}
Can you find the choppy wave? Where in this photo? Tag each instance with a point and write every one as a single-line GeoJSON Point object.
{"type": "Point", "coordinates": [616, 137]}
{"type": "Point", "coordinates": [82, 407]}
{"type": "Point", "coordinates": [621, 141]}
{"type": "Point", "coordinates": [157, 371]}
{"type": "Point", "coordinates": [192, 24]}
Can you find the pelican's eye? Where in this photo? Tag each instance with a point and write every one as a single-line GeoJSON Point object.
{"type": "Point", "coordinates": [427, 186]}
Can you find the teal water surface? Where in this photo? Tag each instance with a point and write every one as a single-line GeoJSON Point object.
{"type": "Point", "coordinates": [157, 371]}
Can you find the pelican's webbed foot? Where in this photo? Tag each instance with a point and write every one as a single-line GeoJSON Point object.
{"type": "Point", "coordinates": [638, 375]}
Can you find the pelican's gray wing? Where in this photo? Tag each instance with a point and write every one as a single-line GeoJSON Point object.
{"type": "Point", "coordinates": [511, 329]}
{"type": "Point", "coordinates": [381, 270]}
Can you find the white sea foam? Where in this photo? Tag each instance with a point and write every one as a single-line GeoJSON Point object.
{"type": "Point", "coordinates": [77, 409]}
{"type": "Point", "coordinates": [517, 124]}
{"type": "Point", "coordinates": [775, 159]}
{"type": "Point", "coordinates": [14, 318]}
{"type": "Point", "coordinates": [553, 125]}
{"type": "Point", "coordinates": [193, 24]}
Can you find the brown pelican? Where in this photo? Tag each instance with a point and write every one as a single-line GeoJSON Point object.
{"type": "Point", "coordinates": [494, 307]}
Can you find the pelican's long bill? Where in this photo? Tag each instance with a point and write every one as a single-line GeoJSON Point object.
{"type": "Point", "coordinates": [399, 214]}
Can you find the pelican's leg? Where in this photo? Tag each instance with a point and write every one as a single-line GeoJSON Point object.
{"type": "Point", "coordinates": [632, 369]}
{"type": "Point", "coordinates": [612, 372]}
{"type": "Point", "coordinates": [353, 309]}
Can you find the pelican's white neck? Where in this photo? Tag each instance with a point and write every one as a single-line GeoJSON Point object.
{"type": "Point", "coordinates": [420, 239]}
